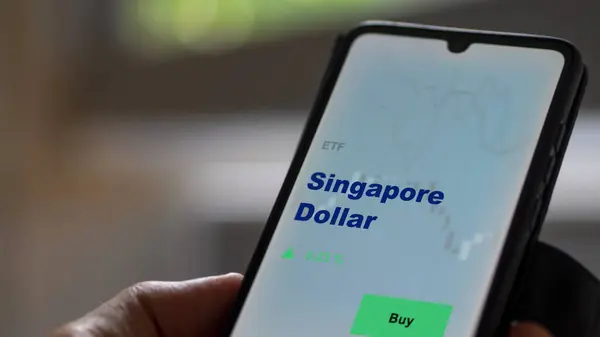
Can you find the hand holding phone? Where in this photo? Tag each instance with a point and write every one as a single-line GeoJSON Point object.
{"type": "Point", "coordinates": [423, 175]}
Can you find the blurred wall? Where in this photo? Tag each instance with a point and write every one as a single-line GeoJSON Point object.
{"type": "Point", "coordinates": [118, 169]}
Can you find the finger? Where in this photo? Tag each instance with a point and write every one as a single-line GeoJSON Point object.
{"type": "Point", "coordinates": [166, 309]}
{"type": "Point", "coordinates": [529, 330]}
{"type": "Point", "coordinates": [190, 309]}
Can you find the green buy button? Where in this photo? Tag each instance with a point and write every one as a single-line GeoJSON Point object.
{"type": "Point", "coordinates": [380, 316]}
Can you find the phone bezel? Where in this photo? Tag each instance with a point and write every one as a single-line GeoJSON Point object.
{"type": "Point", "coordinates": [526, 219]}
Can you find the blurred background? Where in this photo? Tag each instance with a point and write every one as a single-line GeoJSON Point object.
{"type": "Point", "coordinates": [147, 139]}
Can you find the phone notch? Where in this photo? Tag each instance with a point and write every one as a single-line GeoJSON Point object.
{"type": "Point", "coordinates": [458, 45]}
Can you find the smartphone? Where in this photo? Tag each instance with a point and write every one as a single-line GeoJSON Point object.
{"type": "Point", "coordinates": [422, 177]}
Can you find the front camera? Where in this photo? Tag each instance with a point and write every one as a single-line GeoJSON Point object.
{"type": "Point", "coordinates": [458, 46]}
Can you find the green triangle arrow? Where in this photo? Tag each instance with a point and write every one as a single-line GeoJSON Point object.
{"type": "Point", "coordinates": [288, 255]}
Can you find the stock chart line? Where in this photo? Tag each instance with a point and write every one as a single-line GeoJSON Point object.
{"type": "Point", "coordinates": [485, 109]}
{"type": "Point", "coordinates": [460, 247]}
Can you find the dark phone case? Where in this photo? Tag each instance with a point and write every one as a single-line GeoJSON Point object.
{"type": "Point", "coordinates": [533, 201]}
{"type": "Point", "coordinates": [526, 264]}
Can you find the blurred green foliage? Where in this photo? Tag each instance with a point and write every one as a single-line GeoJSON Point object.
{"type": "Point", "coordinates": [162, 25]}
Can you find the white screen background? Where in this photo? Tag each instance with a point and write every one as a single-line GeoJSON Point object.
{"type": "Point", "coordinates": [412, 114]}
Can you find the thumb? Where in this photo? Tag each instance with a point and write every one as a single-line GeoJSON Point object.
{"type": "Point", "coordinates": [529, 330]}
{"type": "Point", "coordinates": [166, 309]}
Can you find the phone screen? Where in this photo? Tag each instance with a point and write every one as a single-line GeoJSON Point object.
{"type": "Point", "coordinates": [397, 219]}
